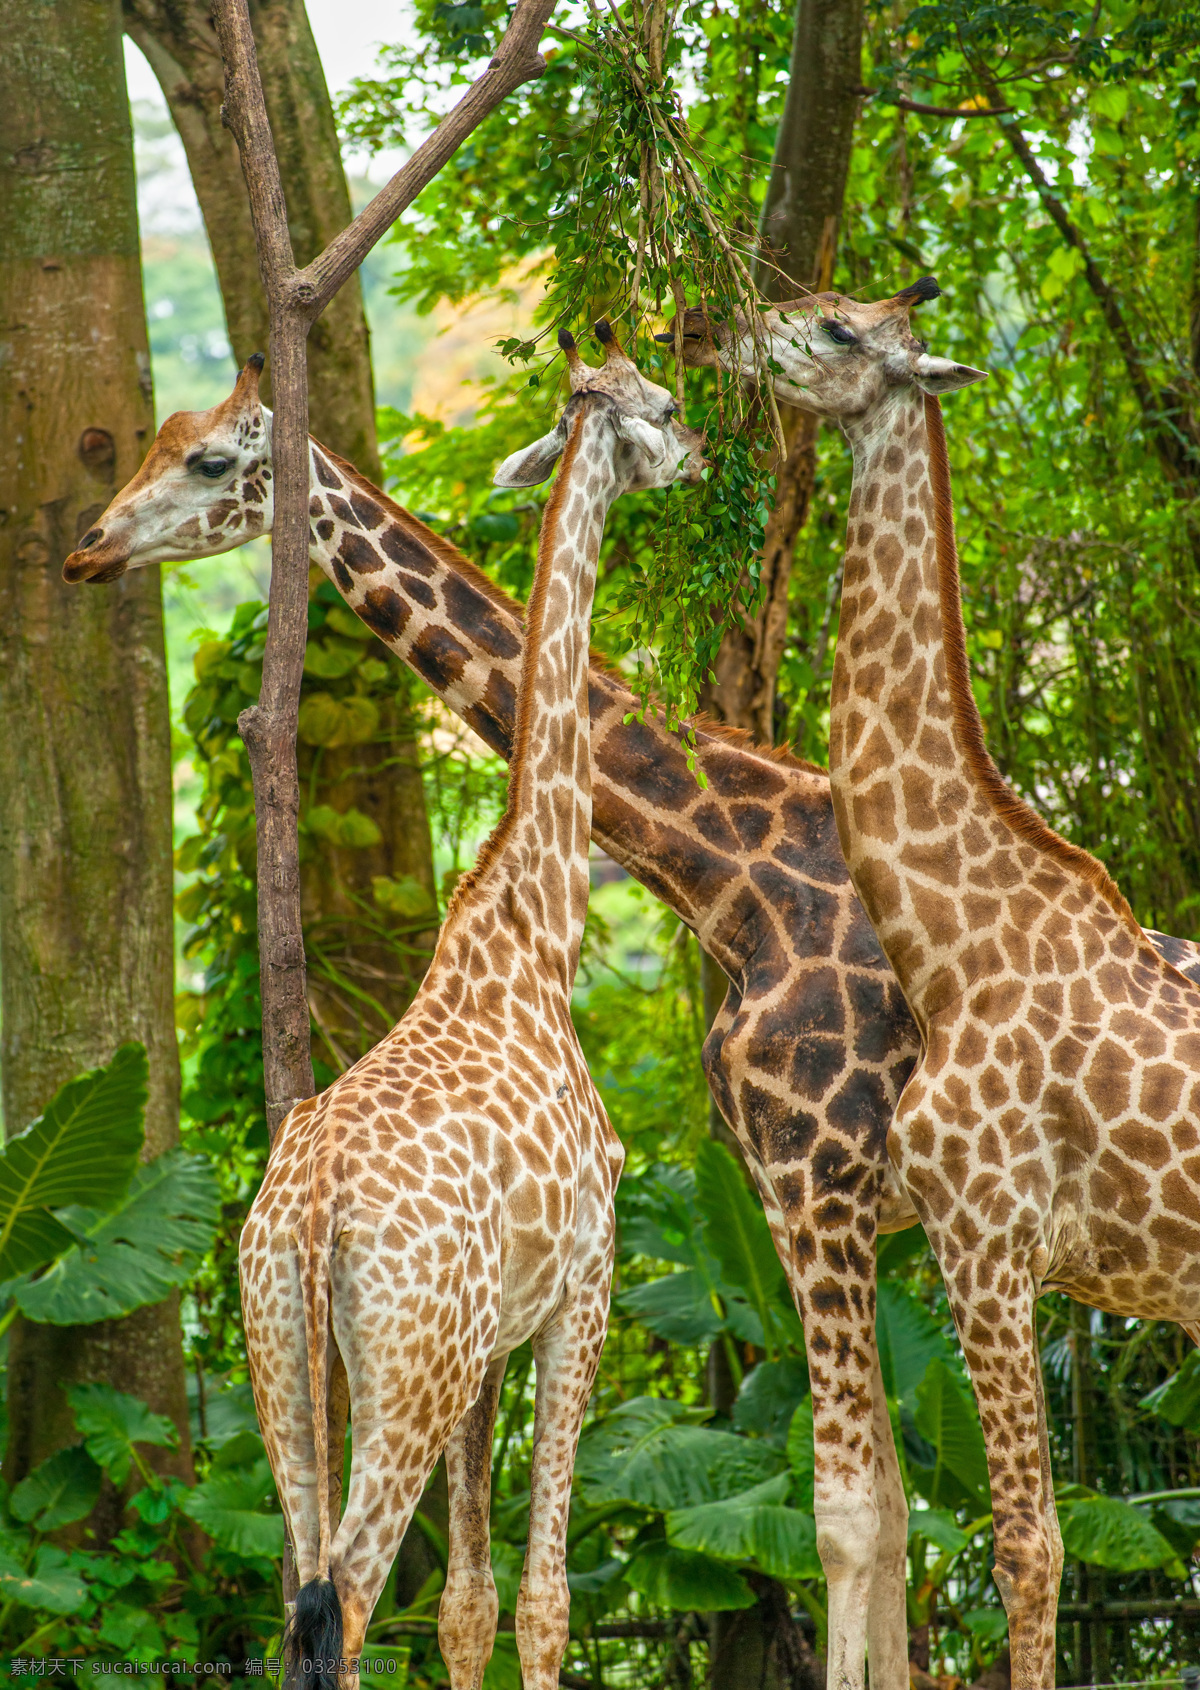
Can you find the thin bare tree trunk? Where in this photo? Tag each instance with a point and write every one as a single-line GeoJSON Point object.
{"type": "Point", "coordinates": [86, 923]}
{"type": "Point", "coordinates": [798, 236]}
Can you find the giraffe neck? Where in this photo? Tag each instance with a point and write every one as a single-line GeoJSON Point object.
{"type": "Point", "coordinates": [702, 852]}
{"type": "Point", "coordinates": [916, 795]}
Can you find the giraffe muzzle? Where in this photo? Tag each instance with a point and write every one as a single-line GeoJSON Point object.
{"type": "Point", "coordinates": [96, 559]}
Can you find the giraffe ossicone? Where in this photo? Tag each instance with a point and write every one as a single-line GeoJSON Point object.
{"type": "Point", "coordinates": [1050, 1133]}
{"type": "Point", "coordinates": [811, 1047]}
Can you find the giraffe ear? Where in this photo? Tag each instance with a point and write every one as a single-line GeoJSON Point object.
{"type": "Point", "coordinates": [942, 375]}
{"type": "Point", "coordinates": [532, 464]}
{"type": "Point", "coordinates": [637, 432]}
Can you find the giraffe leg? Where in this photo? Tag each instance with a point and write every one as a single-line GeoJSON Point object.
{"type": "Point", "coordinates": [567, 1353]}
{"type": "Point", "coordinates": [468, 1611]}
{"type": "Point", "coordinates": [887, 1621]}
{"type": "Point", "coordinates": [1000, 1345]}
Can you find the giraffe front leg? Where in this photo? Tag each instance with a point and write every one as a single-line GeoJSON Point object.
{"type": "Point", "coordinates": [567, 1353]}
{"type": "Point", "coordinates": [468, 1610]}
{"type": "Point", "coordinates": [1000, 1344]}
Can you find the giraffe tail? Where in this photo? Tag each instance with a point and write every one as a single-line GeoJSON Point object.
{"type": "Point", "coordinates": [315, 1629]}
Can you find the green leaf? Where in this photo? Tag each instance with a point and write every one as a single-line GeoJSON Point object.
{"type": "Point", "coordinates": [948, 1418]}
{"type": "Point", "coordinates": [135, 1254]}
{"type": "Point", "coordinates": [112, 1423]}
{"type": "Point", "coordinates": [1178, 1398]}
{"type": "Point", "coordinates": [230, 1506]}
{"type": "Point", "coordinates": [325, 720]}
{"type": "Point", "coordinates": [349, 828]}
{"type": "Point", "coordinates": [737, 1233]}
{"type": "Point", "coordinates": [990, 1625]}
{"type": "Point", "coordinates": [83, 1148]}
{"type": "Point", "coordinates": [754, 1526]}
{"type": "Point", "coordinates": [938, 1528]}
{"type": "Point", "coordinates": [1107, 1532]}
{"type": "Point", "coordinates": [767, 1401]}
{"type": "Point", "coordinates": [908, 1338]}
{"type": "Point", "coordinates": [405, 897]}
{"type": "Point", "coordinates": [800, 1453]}
{"type": "Point", "coordinates": [329, 660]}
{"type": "Point", "coordinates": [351, 627]}
{"type": "Point", "coordinates": [677, 1307]}
{"type": "Point", "coordinates": [60, 1490]}
{"type": "Point", "coordinates": [52, 1585]}
{"type": "Point", "coordinates": [130, 1630]}
{"type": "Point", "coordinates": [642, 1454]}
{"type": "Point", "coordinates": [685, 1580]}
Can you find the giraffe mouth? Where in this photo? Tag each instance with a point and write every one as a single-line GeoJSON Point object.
{"type": "Point", "coordinates": [96, 559]}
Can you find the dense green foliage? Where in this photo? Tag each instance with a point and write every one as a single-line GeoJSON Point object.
{"type": "Point", "coordinates": [1076, 475]}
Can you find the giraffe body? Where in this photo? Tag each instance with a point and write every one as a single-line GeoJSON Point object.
{"type": "Point", "coordinates": [1049, 1134]}
{"type": "Point", "coordinates": [810, 1051]}
{"type": "Point", "coordinates": [451, 1195]}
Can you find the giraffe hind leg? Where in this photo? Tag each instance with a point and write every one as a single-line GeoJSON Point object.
{"type": "Point", "coordinates": [468, 1612]}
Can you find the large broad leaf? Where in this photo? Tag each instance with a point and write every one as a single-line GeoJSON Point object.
{"type": "Point", "coordinates": [658, 1216]}
{"type": "Point", "coordinates": [686, 1581]}
{"type": "Point", "coordinates": [133, 1254]}
{"type": "Point", "coordinates": [948, 1418]}
{"type": "Point", "coordinates": [1109, 1533]}
{"type": "Point", "coordinates": [768, 1398]}
{"type": "Point", "coordinates": [1178, 1399]}
{"type": "Point", "coordinates": [83, 1149]}
{"type": "Point", "coordinates": [231, 1506]}
{"type": "Point", "coordinates": [677, 1307]}
{"type": "Point", "coordinates": [643, 1455]}
{"type": "Point", "coordinates": [752, 1527]}
{"type": "Point", "coordinates": [800, 1453]}
{"type": "Point", "coordinates": [938, 1527]}
{"type": "Point", "coordinates": [62, 1489]}
{"type": "Point", "coordinates": [52, 1585]}
{"type": "Point", "coordinates": [908, 1338]}
{"type": "Point", "coordinates": [112, 1423]}
{"type": "Point", "coordinates": [737, 1233]}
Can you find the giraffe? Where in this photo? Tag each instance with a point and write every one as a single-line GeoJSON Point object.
{"type": "Point", "coordinates": [1049, 1135]}
{"type": "Point", "coordinates": [451, 1195]}
{"type": "Point", "coordinates": [810, 1050]}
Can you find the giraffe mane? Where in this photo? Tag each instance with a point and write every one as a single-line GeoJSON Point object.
{"type": "Point", "coordinates": [535, 618]}
{"type": "Point", "coordinates": [1021, 817]}
{"type": "Point", "coordinates": [745, 741]}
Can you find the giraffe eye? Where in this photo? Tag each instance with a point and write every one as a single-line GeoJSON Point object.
{"type": "Point", "coordinates": [840, 333]}
{"type": "Point", "coordinates": [214, 467]}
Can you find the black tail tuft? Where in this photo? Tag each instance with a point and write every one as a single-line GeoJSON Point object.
{"type": "Point", "coordinates": [314, 1635]}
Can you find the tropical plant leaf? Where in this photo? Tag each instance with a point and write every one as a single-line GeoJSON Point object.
{"type": "Point", "coordinates": [677, 1307]}
{"type": "Point", "coordinates": [800, 1453]}
{"type": "Point", "coordinates": [737, 1233]}
{"type": "Point", "coordinates": [230, 1506]}
{"type": "Point", "coordinates": [908, 1338]}
{"type": "Point", "coordinates": [82, 1148]}
{"type": "Point", "coordinates": [938, 1528]}
{"type": "Point", "coordinates": [950, 1421]}
{"type": "Point", "coordinates": [1178, 1398]}
{"type": "Point", "coordinates": [1107, 1532]}
{"type": "Point", "coordinates": [754, 1526]}
{"type": "Point", "coordinates": [768, 1398]}
{"type": "Point", "coordinates": [52, 1585]}
{"type": "Point", "coordinates": [112, 1423]}
{"type": "Point", "coordinates": [60, 1490]}
{"type": "Point", "coordinates": [642, 1454]}
{"type": "Point", "coordinates": [658, 1216]}
{"type": "Point", "coordinates": [685, 1580]}
{"type": "Point", "coordinates": [133, 1254]}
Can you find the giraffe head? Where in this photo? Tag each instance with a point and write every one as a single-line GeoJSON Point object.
{"type": "Point", "coordinates": [205, 487]}
{"type": "Point", "coordinates": [836, 357]}
{"type": "Point", "coordinates": [651, 449]}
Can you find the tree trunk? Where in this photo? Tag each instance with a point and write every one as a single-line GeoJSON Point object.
{"type": "Point", "coordinates": [178, 39]}
{"type": "Point", "coordinates": [354, 971]}
{"type": "Point", "coordinates": [797, 247]}
{"type": "Point", "coordinates": [86, 923]}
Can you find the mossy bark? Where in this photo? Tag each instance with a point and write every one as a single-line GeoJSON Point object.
{"type": "Point", "coordinates": [86, 926]}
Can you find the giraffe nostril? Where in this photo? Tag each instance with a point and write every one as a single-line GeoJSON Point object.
{"type": "Point", "coordinates": [89, 539]}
